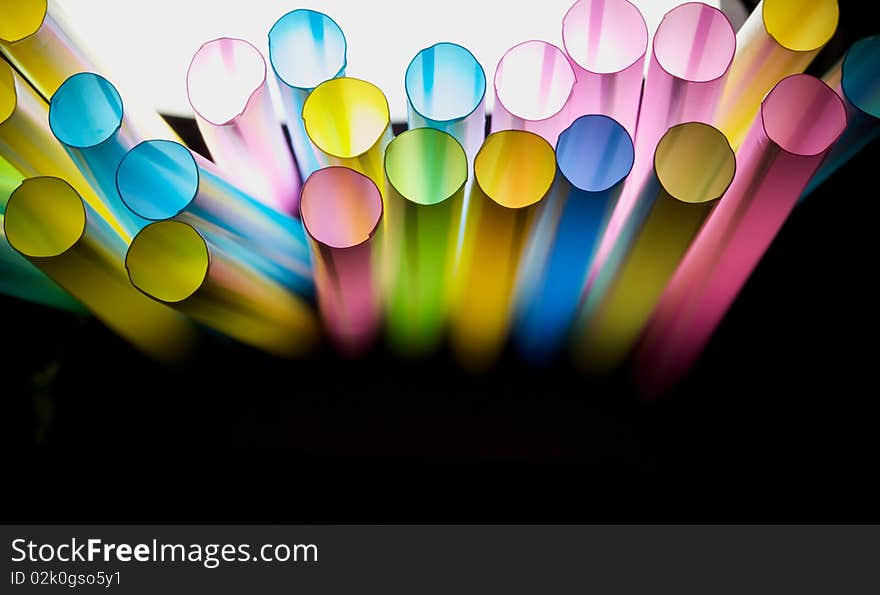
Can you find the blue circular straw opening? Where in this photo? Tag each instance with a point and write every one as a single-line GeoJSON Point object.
{"type": "Point", "coordinates": [306, 48]}
{"type": "Point", "coordinates": [859, 79]}
{"type": "Point", "coordinates": [594, 153]}
{"type": "Point", "coordinates": [157, 179]}
{"type": "Point", "coordinates": [85, 111]}
{"type": "Point", "coordinates": [445, 82]}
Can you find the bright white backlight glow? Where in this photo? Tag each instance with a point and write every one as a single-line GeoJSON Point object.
{"type": "Point", "coordinates": [224, 74]}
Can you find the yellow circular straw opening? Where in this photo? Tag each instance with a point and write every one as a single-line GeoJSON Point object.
{"type": "Point", "coordinates": [45, 217]}
{"type": "Point", "coordinates": [694, 162]}
{"type": "Point", "coordinates": [21, 18]}
{"type": "Point", "coordinates": [345, 117]}
{"type": "Point", "coordinates": [426, 166]}
{"type": "Point", "coordinates": [801, 26]}
{"type": "Point", "coordinates": [515, 168]}
{"type": "Point", "coordinates": [168, 261]}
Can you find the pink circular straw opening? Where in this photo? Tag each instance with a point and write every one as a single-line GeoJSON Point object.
{"type": "Point", "coordinates": [604, 36]}
{"type": "Point", "coordinates": [803, 115]}
{"type": "Point", "coordinates": [340, 207]}
{"type": "Point", "coordinates": [695, 42]}
{"type": "Point", "coordinates": [223, 77]}
{"type": "Point", "coordinates": [534, 80]}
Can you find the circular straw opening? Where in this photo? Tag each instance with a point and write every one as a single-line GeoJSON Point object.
{"type": "Point", "coordinates": [157, 179]}
{"type": "Point", "coordinates": [45, 217]}
{"type": "Point", "coordinates": [222, 77]}
{"type": "Point", "coordinates": [85, 111]}
{"type": "Point", "coordinates": [534, 80]}
{"type": "Point", "coordinates": [695, 42]}
{"type": "Point", "coordinates": [859, 79]}
{"type": "Point", "coordinates": [594, 153]}
{"type": "Point", "coordinates": [340, 207]}
{"type": "Point", "coordinates": [426, 166]}
{"type": "Point", "coordinates": [168, 261]}
{"type": "Point", "coordinates": [604, 36]}
{"type": "Point", "coordinates": [445, 82]}
{"type": "Point", "coordinates": [803, 115]}
{"type": "Point", "coordinates": [306, 48]}
{"type": "Point", "coordinates": [694, 162]}
{"type": "Point", "coordinates": [801, 26]}
{"type": "Point", "coordinates": [8, 94]}
{"type": "Point", "coordinates": [515, 168]}
{"type": "Point", "coordinates": [21, 18]}
{"type": "Point", "coordinates": [345, 117]}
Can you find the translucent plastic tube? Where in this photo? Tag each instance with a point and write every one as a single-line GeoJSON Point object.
{"type": "Point", "coordinates": [780, 38]}
{"type": "Point", "coordinates": [35, 38]}
{"type": "Point", "coordinates": [693, 167]}
{"type": "Point", "coordinates": [161, 179]}
{"type": "Point", "coordinates": [86, 116]}
{"type": "Point", "coordinates": [856, 81]}
{"type": "Point", "coordinates": [348, 122]}
{"type": "Point", "coordinates": [48, 222]}
{"type": "Point", "coordinates": [170, 262]}
{"type": "Point", "coordinates": [606, 41]}
{"type": "Point", "coordinates": [594, 156]}
{"type": "Point", "coordinates": [306, 48]}
{"type": "Point", "coordinates": [226, 86]}
{"type": "Point", "coordinates": [533, 84]}
{"type": "Point", "coordinates": [427, 170]}
{"type": "Point", "coordinates": [341, 211]}
{"type": "Point", "coordinates": [692, 52]}
{"type": "Point", "coordinates": [514, 171]}
{"type": "Point", "coordinates": [800, 120]}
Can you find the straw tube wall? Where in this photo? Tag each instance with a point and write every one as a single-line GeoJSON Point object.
{"type": "Point", "coordinates": [341, 210]}
{"type": "Point", "coordinates": [348, 122]}
{"type": "Point", "coordinates": [606, 41]}
{"type": "Point", "coordinates": [87, 117]}
{"type": "Point", "coordinates": [306, 48]}
{"type": "Point", "coordinates": [800, 120]}
{"type": "Point", "coordinates": [594, 156]}
{"type": "Point", "coordinates": [170, 262]}
{"type": "Point", "coordinates": [780, 38]}
{"type": "Point", "coordinates": [693, 167]}
{"type": "Point", "coordinates": [533, 84]}
{"type": "Point", "coordinates": [161, 179]}
{"type": "Point", "coordinates": [226, 86]}
{"type": "Point", "coordinates": [514, 171]}
{"type": "Point", "coordinates": [48, 223]}
{"type": "Point", "coordinates": [426, 170]}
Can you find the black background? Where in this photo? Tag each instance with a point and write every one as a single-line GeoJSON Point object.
{"type": "Point", "coordinates": [777, 422]}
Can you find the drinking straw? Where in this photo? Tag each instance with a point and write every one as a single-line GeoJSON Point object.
{"type": "Point", "coordinates": [513, 171]}
{"type": "Point", "coordinates": [86, 115]}
{"type": "Point", "coordinates": [226, 86]}
{"type": "Point", "coordinates": [348, 122]}
{"type": "Point", "coordinates": [341, 210]}
{"type": "Point", "coordinates": [856, 81]}
{"type": "Point", "coordinates": [692, 52]}
{"type": "Point", "coordinates": [594, 156]}
{"type": "Point", "coordinates": [799, 121]}
{"type": "Point", "coordinates": [27, 142]}
{"type": "Point", "coordinates": [606, 41]}
{"type": "Point", "coordinates": [306, 48]}
{"type": "Point", "coordinates": [48, 223]}
{"type": "Point", "coordinates": [36, 38]}
{"type": "Point", "coordinates": [161, 179]}
{"type": "Point", "coordinates": [780, 38]}
{"type": "Point", "coordinates": [170, 262]}
{"type": "Point", "coordinates": [533, 84]}
{"type": "Point", "coordinates": [427, 170]}
{"type": "Point", "coordinates": [693, 167]}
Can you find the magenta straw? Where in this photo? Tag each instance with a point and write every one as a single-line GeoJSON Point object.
{"type": "Point", "coordinates": [226, 86]}
{"type": "Point", "coordinates": [799, 121]}
{"type": "Point", "coordinates": [692, 52]}
{"type": "Point", "coordinates": [533, 84]}
{"type": "Point", "coordinates": [606, 42]}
